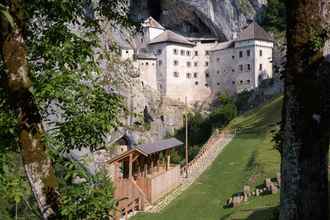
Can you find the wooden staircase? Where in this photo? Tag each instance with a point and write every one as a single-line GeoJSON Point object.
{"type": "Point", "coordinates": [131, 197]}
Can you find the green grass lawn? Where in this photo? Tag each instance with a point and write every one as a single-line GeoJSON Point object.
{"type": "Point", "coordinates": [250, 154]}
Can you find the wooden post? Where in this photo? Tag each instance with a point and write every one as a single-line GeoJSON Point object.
{"type": "Point", "coordinates": [145, 169]}
{"type": "Point", "coordinates": [186, 117]}
{"type": "Point", "coordinates": [152, 164]}
{"type": "Point", "coordinates": [157, 163]}
{"type": "Point", "coordinates": [117, 214]}
{"type": "Point", "coordinates": [130, 171]}
{"type": "Point", "coordinates": [168, 160]}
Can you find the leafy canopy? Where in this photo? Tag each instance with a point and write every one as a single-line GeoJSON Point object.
{"type": "Point", "coordinates": [64, 56]}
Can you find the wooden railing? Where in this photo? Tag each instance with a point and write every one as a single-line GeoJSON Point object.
{"type": "Point", "coordinates": [206, 148]}
{"type": "Point", "coordinates": [130, 196]}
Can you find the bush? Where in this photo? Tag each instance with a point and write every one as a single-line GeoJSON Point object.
{"type": "Point", "coordinates": [200, 128]}
{"type": "Point", "coordinates": [274, 16]}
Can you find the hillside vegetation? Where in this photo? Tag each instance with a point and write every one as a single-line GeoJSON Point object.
{"type": "Point", "coordinates": [250, 154]}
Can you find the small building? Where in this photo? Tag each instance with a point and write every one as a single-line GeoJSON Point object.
{"type": "Point", "coordinates": [241, 64]}
{"type": "Point", "coordinates": [144, 174]}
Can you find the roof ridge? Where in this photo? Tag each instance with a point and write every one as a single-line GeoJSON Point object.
{"type": "Point", "coordinates": [170, 36]}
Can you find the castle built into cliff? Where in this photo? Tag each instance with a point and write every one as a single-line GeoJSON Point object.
{"type": "Point", "coordinates": [198, 68]}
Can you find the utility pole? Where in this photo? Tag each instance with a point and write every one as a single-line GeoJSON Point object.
{"type": "Point", "coordinates": [186, 118]}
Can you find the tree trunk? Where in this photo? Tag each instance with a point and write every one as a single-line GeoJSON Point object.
{"type": "Point", "coordinates": [37, 165]}
{"type": "Point", "coordinates": [305, 141]}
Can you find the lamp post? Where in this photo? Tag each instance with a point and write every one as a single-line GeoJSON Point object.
{"type": "Point", "coordinates": [186, 120]}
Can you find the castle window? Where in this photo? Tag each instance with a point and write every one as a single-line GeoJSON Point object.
{"type": "Point", "coordinates": [206, 52]}
{"type": "Point", "coordinates": [260, 53]}
{"type": "Point", "coordinates": [233, 70]}
{"type": "Point", "coordinates": [218, 84]}
{"type": "Point", "coordinates": [241, 82]}
{"type": "Point", "coordinates": [182, 52]}
{"type": "Point", "coordinates": [188, 64]}
{"type": "Point", "coordinates": [248, 81]}
{"type": "Point", "coordinates": [206, 85]}
{"type": "Point", "coordinates": [248, 66]}
{"type": "Point", "coordinates": [126, 51]}
{"type": "Point", "coordinates": [153, 64]}
{"type": "Point", "coordinates": [207, 75]}
{"type": "Point", "coordinates": [233, 57]}
{"type": "Point", "coordinates": [188, 53]}
{"type": "Point", "coordinates": [240, 54]}
{"type": "Point", "coordinates": [176, 62]}
{"type": "Point", "coordinates": [233, 82]}
{"type": "Point", "coordinates": [241, 68]}
{"type": "Point", "coordinates": [218, 59]}
{"type": "Point", "coordinates": [248, 53]}
{"type": "Point", "coordinates": [147, 63]}
{"type": "Point", "coordinates": [188, 75]}
{"type": "Point", "coordinates": [142, 63]}
{"type": "Point", "coordinates": [206, 63]}
{"type": "Point", "coordinates": [176, 74]}
{"type": "Point", "coordinates": [218, 72]}
{"type": "Point", "coordinates": [260, 67]}
{"type": "Point", "coordinates": [196, 53]}
{"type": "Point", "coordinates": [195, 75]}
{"type": "Point", "coordinates": [159, 51]}
{"type": "Point", "coordinates": [196, 64]}
{"type": "Point", "coordinates": [175, 51]}
{"type": "Point", "coordinates": [196, 83]}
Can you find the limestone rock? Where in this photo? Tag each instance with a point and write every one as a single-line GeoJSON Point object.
{"type": "Point", "coordinates": [219, 18]}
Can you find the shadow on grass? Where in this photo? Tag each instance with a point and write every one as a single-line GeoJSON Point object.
{"type": "Point", "coordinates": [271, 213]}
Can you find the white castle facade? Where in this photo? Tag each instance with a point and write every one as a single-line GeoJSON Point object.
{"type": "Point", "coordinates": [199, 68]}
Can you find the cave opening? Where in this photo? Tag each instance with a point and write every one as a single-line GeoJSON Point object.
{"type": "Point", "coordinates": [154, 8]}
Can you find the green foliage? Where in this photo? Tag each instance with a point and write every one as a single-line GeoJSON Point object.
{"type": "Point", "coordinates": [274, 16]}
{"type": "Point", "coordinates": [222, 115]}
{"type": "Point", "coordinates": [242, 100]}
{"type": "Point", "coordinates": [82, 195]}
{"type": "Point", "coordinates": [201, 127]}
{"type": "Point", "coordinates": [92, 199]}
{"type": "Point", "coordinates": [64, 56]}
{"type": "Point", "coordinates": [15, 193]}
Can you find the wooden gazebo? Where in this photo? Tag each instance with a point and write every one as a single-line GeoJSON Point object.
{"type": "Point", "coordinates": [143, 174]}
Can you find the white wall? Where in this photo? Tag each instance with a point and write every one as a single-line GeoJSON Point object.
{"type": "Point", "coordinates": [226, 74]}
{"type": "Point", "coordinates": [265, 60]}
{"type": "Point", "coordinates": [195, 87]}
{"type": "Point", "coordinates": [148, 72]}
{"type": "Point", "coordinates": [160, 52]}
{"type": "Point", "coordinates": [126, 54]}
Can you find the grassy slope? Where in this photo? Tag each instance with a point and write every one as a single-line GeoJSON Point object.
{"type": "Point", "coordinates": [249, 154]}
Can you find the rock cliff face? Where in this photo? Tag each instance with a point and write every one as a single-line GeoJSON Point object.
{"type": "Point", "coordinates": [219, 18]}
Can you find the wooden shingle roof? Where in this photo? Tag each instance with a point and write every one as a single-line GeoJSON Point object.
{"type": "Point", "coordinates": [159, 146]}
{"type": "Point", "coordinates": [254, 32]}
{"type": "Point", "coordinates": [148, 149]}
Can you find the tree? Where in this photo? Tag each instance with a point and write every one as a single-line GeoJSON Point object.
{"type": "Point", "coordinates": [48, 63]}
{"type": "Point", "coordinates": [305, 128]}
{"type": "Point", "coordinates": [274, 16]}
